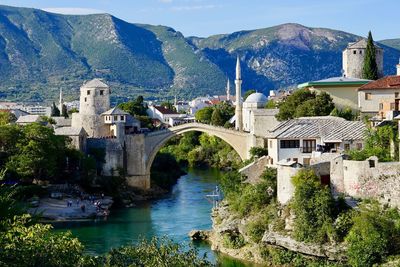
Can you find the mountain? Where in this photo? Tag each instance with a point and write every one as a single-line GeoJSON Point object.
{"type": "Point", "coordinates": [41, 52]}
{"type": "Point", "coordinates": [393, 43]}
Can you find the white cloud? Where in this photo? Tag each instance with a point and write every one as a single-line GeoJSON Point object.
{"type": "Point", "coordinates": [190, 8]}
{"type": "Point", "coordinates": [73, 10]}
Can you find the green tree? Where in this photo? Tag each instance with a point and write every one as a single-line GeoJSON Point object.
{"type": "Point", "coordinates": [346, 113]}
{"type": "Point", "coordinates": [204, 115]}
{"type": "Point", "coordinates": [247, 93]}
{"type": "Point", "coordinates": [168, 105]}
{"type": "Point", "coordinates": [370, 68]}
{"type": "Point", "coordinates": [271, 104]}
{"type": "Point", "coordinates": [216, 118]}
{"type": "Point", "coordinates": [55, 111]}
{"type": "Point", "coordinates": [64, 112]}
{"type": "Point", "coordinates": [7, 117]}
{"type": "Point", "coordinates": [304, 103]}
{"type": "Point", "coordinates": [313, 206]}
{"type": "Point", "coordinates": [135, 107]}
{"type": "Point", "coordinates": [374, 235]}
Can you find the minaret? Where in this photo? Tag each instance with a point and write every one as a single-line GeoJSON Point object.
{"type": "Point", "coordinates": [398, 68]}
{"type": "Point", "coordinates": [238, 110]}
{"type": "Point", "coordinates": [228, 91]}
{"type": "Point", "coordinates": [60, 103]}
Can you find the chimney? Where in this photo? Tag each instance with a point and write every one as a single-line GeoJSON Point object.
{"type": "Point", "coordinates": [398, 68]}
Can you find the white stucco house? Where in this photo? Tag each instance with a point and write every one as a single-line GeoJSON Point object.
{"type": "Point", "coordinates": [301, 139]}
{"type": "Point", "coordinates": [162, 114]}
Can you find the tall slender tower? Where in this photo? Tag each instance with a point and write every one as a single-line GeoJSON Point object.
{"type": "Point", "coordinates": [228, 90]}
{"type": "Point", "coordinates": [238, 109]}
{"type": "Point", "coordinates": [60, 101]}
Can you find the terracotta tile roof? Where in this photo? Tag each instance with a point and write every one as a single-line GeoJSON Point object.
{"type": "Point", "coordinates": [165, 110]}
{"type": "Point", "coordinates": [387, 82]}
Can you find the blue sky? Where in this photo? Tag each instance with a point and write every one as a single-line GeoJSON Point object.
{"type": "Point", "coordinates": [207, 17]}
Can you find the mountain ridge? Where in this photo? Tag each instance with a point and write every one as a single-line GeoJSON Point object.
{"type": "Point", "coordinates": [41, 52]}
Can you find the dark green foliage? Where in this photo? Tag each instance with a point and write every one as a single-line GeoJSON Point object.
{"type": "Point", "coordinates": [135, 107]}
{"type": "Point", "coordinates": [370, 68]}
{"type": "Point", "coordinates": [374, 235]}
{"type": "Point", "coordinates": [204, 115]}
{"type": "Point", "coordinates": [271, 104]}
{"type": "Point", "coordinates": [29, 244]}
{"type": "Point", "coordinates": [346, 113]}
{"type": "Point", "coordinates": [304, 103]}
{"type": "Point", "coordinates": [216, 118]}
{"type": "Point", "coordinates": [378, 142]}
{"type": "Point", "coordinates": [247, 93]}
{"type": "Point", "coordinates": [258, 152]}
{"type": "Point", "coordinates": [55, 111]}
{"type": "Point", "coordinates": [7, 117]}
{"type": "Point", "coordinates": [313, 206]}
{"type": "Point", "coordinates": [233, 240]}
{"type": "Point", "coordinates": [155, 253]}
{"type": "Point", "coordinates": [165, 170]}
{"type": "Point", "coordinates": [246, 198]}
{"type": "Point", "coordinates": [168, 105]}
{"type": "Point", "coordinates": [64, 112]}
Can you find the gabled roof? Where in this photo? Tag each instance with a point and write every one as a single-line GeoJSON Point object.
{"type": "Point", "coordinates": [95, 83]}
{"type": "Point", "coordinates": [28, 119]}
{"type": "Point", "coordinates": [114, 111]}
{"type": "Point", "coordinates": [328, 128]}
{"type": "Point", "coordinates": [164, 110]}
{"type": "Point", "coordinates": [70, 131]}
{"type": "Point", "coordinates": [341, 81]}
{"type": "Point", "coordinates": [387, 82]}
{"type": "Point", "coordinates": [62, 122]}
{"type": "Point", "coordinates": [361, 44]}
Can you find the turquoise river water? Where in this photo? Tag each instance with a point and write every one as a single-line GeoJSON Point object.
{"type": "Point", "coordinates": [182, 210]}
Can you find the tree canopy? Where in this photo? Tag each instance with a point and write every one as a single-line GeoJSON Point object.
{"type": "Point", "coordinates": [304, 103]}
{"type": "Point", "coordinates": [247, 93]}
{"type": "Point", "coordinates": [370, 68]}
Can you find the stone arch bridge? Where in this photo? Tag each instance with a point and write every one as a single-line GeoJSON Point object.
{"type": "Point", "coordinates": [140, 150]}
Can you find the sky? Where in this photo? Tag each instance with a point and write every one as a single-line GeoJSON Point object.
{"type": "Point", "coordinates": [208, 17]}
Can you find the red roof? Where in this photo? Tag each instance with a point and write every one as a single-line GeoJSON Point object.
{"type": "Point", "coordinates": [164, 110]}
{"type": "Point", "coordinates": [387, 82]}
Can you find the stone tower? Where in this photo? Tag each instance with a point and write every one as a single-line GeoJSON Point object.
{"type": "Point", "coordinates": [353, 59]}
{"type": "Point", "coordinates": [94, 100]}
{"type": "Point", "coordinates": [228, 90]}
{"type": "Point", "coordinates": [238, 109]}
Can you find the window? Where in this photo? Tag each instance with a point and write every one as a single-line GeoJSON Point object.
{"type": "Point", "coordinates": [309, 146]}
{"type": "Point", "coordinates": [85, 99]}
{"type": "Point", "coordinates": [290, 143]}
{"type": "Point", "coordinates": [354, 52]}
{"type": "Point", "coordinates": [368, 96]}
{"type": "Point", "coordinates": [392, 106]}
{"type": "Point", "coordinates": [360, 52]}
{"type": "Point", "coordinates": [122, 118]}
{"type": "Point", "coordinates": [396, 95]}
{"type": "Point", "coordinates": [115, 118]}
{"type": "Point", "coordinates": [101, 92]}
{"type": "Point", "coordinates": [380, 106]}
{"type": "Point", "coordinates": [88, 92]}
{"type": "Point", "coordinates": [371, 163]}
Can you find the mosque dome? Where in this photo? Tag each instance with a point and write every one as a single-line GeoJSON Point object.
{"type": "Point", "coordinates": [256, 98]}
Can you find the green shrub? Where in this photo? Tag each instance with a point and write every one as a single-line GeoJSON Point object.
{"type": "Point", "coordinates": [313, 206]}
{"type": "Point", "coordinates": [233, 240]}
{"type": "Point", "coordinates": [374, 235]}
{"type": "Point", "coordinates": [257, 227]}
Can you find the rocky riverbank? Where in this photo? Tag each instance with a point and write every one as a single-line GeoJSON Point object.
{"type": "Point", "coordinates": [230, 236]}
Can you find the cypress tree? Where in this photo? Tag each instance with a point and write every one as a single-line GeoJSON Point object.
{"type": "Point", "coordinates": [370, 68]}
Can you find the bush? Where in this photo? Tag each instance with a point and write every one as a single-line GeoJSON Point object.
{"type": "Point", "coordinates": [374, 235]}
{"type": "Point", "coordinates": [257, 227]}
{"type": "Point", "coordinates": [233, 240]}
{"type": "Point", "coordinates": [313, 206]}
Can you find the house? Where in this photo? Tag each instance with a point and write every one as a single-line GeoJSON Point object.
{"type": "Point", "coordinates": [302, 139]}
{"type": "Point", "coordinates": [343, 90]}
{"type": "Point", "coordinates": [120, 122]}
{"type": "Point", "coordinates": [28, 119]}
{"type": "Point", "coordinates": [78, 136]}
{"type": "Point", "coordinates": [163, 114]}
{"type": "Point", "coordinates": [380, 97]}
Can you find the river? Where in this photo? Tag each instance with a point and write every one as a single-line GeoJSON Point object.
{"type": "Point", "coordinates": [182, 210]}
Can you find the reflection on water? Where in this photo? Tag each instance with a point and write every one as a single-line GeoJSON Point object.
{"type": "Point", "coordinates": [184, 209]}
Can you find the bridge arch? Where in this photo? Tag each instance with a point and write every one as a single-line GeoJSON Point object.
{"type": "Point", "coordinates": [239, 141]}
